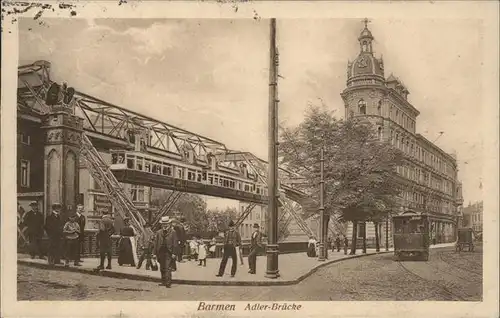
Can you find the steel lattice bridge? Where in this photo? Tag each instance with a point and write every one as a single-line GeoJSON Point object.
{"type": "Point", "coordinates": [152, 153]}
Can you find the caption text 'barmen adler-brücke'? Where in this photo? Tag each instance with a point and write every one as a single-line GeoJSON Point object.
{"type": "Point", "coordinates": [232, 307]}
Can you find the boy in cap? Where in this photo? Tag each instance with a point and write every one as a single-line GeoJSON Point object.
{"type": "Point", "coordinates": [54, 228]}
{"type": "Point", "coordinates": [164, 248]}
{"type": "Point", "coordinates": [33, 220]}
{"type": "Point", "coordinates": [232, 240]}
{"type": "Point", "coordinates": [71, 234]}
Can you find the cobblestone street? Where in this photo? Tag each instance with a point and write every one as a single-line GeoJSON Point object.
{"type": "Point", "coordinates": [447, 276]}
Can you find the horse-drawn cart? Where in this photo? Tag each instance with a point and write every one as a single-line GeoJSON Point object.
{"type": "Point", "coordinates": [465, 240]}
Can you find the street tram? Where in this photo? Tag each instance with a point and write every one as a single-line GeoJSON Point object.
{"type": "Point", "coordinates": [465, 239]}
{"type": "Point", "coordinates": [194, 174]}
{"type": "Point", "coordinates": [411, 236]}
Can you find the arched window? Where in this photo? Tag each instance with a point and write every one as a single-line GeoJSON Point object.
{"type": "Point", "coordinates": [392, 137]}
{"type": "Point", "coordinates": [397, 140]}
{"type": "Point", "coordinates": [379, 133]}
{"type": "Point", "coordinates": [365, 46]}
{"type": "Point", "coordinates": [362, 107]}
{"type": "Point", "coordinates": [379, 107]}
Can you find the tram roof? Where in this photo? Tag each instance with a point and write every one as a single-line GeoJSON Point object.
{"type": "Point", "coordinates": [409, 213]}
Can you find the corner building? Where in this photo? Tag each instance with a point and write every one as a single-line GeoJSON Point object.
{"type": "Point", "coordinates": [429, 175]}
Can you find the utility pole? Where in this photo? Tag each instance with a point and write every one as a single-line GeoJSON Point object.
{"type": "Point", "coordinates": [322, 207]}
{"type": "Point", "coordinates": [387, 233]}
{"type": "Point", "coordinates": [272, 248]}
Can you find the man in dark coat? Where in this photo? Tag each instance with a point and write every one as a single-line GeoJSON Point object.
{"type": "Point", "coordinates": [255, 245]}
{"type": "Point", "coordinates": [165, 244]}
{"type": "Point", "coordinates": [232, 240]}
{"type": "Point", "coordinates": [54, 228]}
{"type": "Point", "coordinates": [33, 220]}
{"type": "Point", "coordinates": [80, 219]}
{"type": "Point", "coordinates": [181, 236]}
{"type": "Point", "coordinates": [337, 243]}
{"type": "Point", "coordinates": [104, 242]}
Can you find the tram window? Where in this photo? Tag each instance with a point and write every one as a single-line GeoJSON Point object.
{"type": "Point", "coordinates": [130, 162]}
{"type": "Point", "coordinates": [114, 159]}
{"type": "Point", "coordinates": [198, 177]}
{"type": "Point", "coordinates": [204, 176]}
{"type": "Point", "coordinates": [210, 179]}
{"type": "Point", "coordinates": [138, 165]}
{"type": "Point", "coordinates": [216, 180]}
{"type": "Point", "coordinates": [121, 158]}
{"type": "Point", "coordinates": [147, 165]}
{"type": "Point", "coordinates": [179, 174]}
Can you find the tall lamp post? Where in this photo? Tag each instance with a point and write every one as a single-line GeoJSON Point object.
{"type": "Point", "coordinates": [322, 207]}
{"type": "Point", "coordinates": [272, 247]}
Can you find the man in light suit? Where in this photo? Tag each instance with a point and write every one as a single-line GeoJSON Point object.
{"type": "Point", "coordinates": [165, 247]}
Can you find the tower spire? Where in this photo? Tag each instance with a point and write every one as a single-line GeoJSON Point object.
{"type": "Point", "coordinates": [366, 21]}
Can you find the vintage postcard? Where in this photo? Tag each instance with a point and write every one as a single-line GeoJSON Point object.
{"type": "Point", "coordinates": [202, 159]}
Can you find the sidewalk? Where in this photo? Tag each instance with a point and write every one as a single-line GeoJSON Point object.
{"type": "Point", "coordinates": [293, 269]}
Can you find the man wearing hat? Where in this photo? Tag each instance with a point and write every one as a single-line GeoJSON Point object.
{"type": "Point", "coordinates": [164, 247]}
{"type": "Point", "coordinates": [255, 245]}
{"type": "Point", "coordinates": [33, 220]}
{"type": "Point", "coordinates": [80, 218]}
{"type": "Point", "coordinates": [178, 225]}
{"type": "Point", "coordinates": [232, 240]}
{"type": "Point", "coordinates": [104, 242]}
{"type": "Point", "coordinates": [54, 228]}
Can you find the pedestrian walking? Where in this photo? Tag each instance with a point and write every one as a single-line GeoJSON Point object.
{"type": "Point", "coordinates": [104, 242]}
{"type": "Point", "coordinates": [127, 247]}
{"type": "Point", "coordinates": [202, 253]}
{"type": "Point", "coordinates": [255, 246]}
{"type": "Point", "coordinates": [180, 231]}
{"type": "Point", "coordinates": [80, 218]}
{"type": "Point", "coordinates": [54, 228]}
{"type": "Point", "coordinates": [337, 243]}
{"type": "Point", "coordinates": [146, 247]}
{"type": "Point", "coordinates": [71, 232]}
{"type": "Point", "coordinates": [164, 247]}
{"type": "Point", "coordinates": [232, 240]}
{"type": "Point", "coordinates": [33, 220]}
{"type": "Point", "coordinates": [346, 245]}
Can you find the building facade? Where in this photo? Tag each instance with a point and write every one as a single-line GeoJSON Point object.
{"type": "Point", "coordinates": [473, 216]}
{"type": "Point", "coordinates": [429, 175]}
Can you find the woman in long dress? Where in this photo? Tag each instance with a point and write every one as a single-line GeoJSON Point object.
{"type": "Point", "coordinates": [127, 246]}
{"type": "Point", "coordinates": [311, 248]}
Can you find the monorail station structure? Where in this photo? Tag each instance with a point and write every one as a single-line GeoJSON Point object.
{"type": "Point", "coordinates": [429, 176]}
{"type": "Point", "coordinates": [76, 149]}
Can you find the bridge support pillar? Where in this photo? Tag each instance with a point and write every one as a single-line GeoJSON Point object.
{"type": "Point", "coordinates": [63, 133]}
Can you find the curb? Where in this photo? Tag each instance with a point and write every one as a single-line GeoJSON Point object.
{"type": "Point", "coordinates": [195, 282]}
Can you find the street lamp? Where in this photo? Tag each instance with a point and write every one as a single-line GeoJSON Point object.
{"type": "Point", "coordinates": [322, 207]}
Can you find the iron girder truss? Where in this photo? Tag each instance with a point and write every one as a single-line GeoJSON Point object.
{"type": "Point", "coordinates": [101, 173]}
{"type": "Point", "coordinates": [244, 214]}
{"type": "Point", "coordinates": [109, 120]}
{"type": "Point", "coordinates": [105, 120]}
{"type": "Point", "coordinates": [259, 166]}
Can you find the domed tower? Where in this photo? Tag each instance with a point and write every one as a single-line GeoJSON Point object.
{"type": "Point", "coordinates": [366, 87]}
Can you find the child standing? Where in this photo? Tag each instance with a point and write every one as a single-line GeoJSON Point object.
{"type": "Point", "coordinates": [193, 247]}
{"type": "Point", "coordinates": [71, 232]}
{"type": "Point", "coordinates": [202, 253]}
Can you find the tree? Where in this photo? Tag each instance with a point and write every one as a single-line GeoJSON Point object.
{"type": "Point", "coordinates": [218, 219]}
{"type": "Point", "coordinates": [191, 206]}
{"type": "Point", "coordinates": [360, 181]}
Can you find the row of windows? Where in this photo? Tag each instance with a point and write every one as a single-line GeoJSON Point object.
{"type": "Point", "coordinates": [24, 138]}
{"type": "Point", "coordinates": [408, 146]}
{"type": "Point", "coordinates": [166, 169]}
{"type": "Point", "coordinates": [423, 201]}
{"type": "Point", "coordinates": [395, 115]}
{"type": "Point", "coordinates": [425, 178]}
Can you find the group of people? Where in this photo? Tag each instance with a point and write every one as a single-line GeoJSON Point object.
{"type": "Point", "coordinates": [312, 248]}
{"type": "Point", "coordinates": [163, 248]}
{"type": "Point", "coordinates": [65, 236]}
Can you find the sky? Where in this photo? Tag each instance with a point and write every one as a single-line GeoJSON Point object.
{"type": "Point", "coordinates": [211, 76]}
